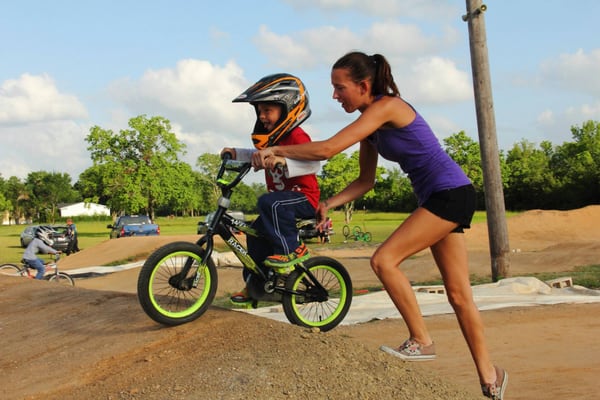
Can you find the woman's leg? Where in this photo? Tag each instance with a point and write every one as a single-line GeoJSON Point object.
{"type": "Point", "coordinates": [419, 231]}
{"type": "Point", "coordinates": [450, 256]}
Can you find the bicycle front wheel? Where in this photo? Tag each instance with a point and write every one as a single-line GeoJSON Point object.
{"type": "Point", "coordinates": [11, 270]}
{"type": "Point", "coordinates": [322, 304]}
{"type": "Point", "coordinates": [62, 279]}
{"type": "Point", "coordinates": [346, 231]}
{"type": "Point", "coordinates": [167, 295]}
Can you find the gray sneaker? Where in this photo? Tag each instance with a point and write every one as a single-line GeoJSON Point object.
{"type": "Point", "coordinates": [411, 350]}
{"type": "Point", "coordinates": [496, 390]}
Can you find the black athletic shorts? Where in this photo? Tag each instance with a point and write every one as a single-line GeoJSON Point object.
{"type": "Point", "coordinates": [456, 205]}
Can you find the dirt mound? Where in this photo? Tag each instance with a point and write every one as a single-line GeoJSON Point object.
{"type": "Point", "coordinates": [77, 343]}
{"type": "Point", "coordinates": [72, 343]}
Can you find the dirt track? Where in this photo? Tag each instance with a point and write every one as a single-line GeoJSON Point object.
{"type": "Point", "coordinates": [79, 343]}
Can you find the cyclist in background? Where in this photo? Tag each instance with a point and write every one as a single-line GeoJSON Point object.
{"type": "Point", "coordinates": [40, 244]}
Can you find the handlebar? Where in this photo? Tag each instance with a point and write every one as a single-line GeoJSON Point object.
{"type": "Point", "coordinates": [241, 167]}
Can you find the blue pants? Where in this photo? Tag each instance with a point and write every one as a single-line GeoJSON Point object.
{"type": "Point", "coordinates": [277, 213]}
{"type": "Point", "coordinates": [39, 265]}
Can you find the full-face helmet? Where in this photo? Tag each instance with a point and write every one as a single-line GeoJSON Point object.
{"type": "Point", "coordinates": [283, 89]}
{"type": "Point", "coordinates": [44, 233]}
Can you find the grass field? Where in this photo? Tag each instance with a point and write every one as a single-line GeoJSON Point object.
{"type": "Point", "coordinates": [380, 225]}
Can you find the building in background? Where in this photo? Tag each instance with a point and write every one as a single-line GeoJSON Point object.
{"type": "Point", "coordinates": [83, 209]}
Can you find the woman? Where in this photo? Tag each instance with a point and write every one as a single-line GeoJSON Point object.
{"type": "Point", "coordinates": [389, 126]}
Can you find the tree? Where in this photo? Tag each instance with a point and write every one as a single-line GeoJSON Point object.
{"type": "Point", "coordinates": [17, 194]}
{"type": "Point", "coordinates": [530, 179]}
{"type": "Point", "coordinates": [138, 164]}
{"type": "Point", "coordinates": [394, 192]}
{"type": "Point", "coordinates": [577, 166]}
{"type": "Point", "coordinates": [47, 190]}
{"type": "Point", "coordinates": [91, 185]}
{"type": "Point", "coordinates": [209, 165]}
{"type": "Point", "coordinates": [465, 151]}
{"type": "Point", "coordinates": [338, 173]}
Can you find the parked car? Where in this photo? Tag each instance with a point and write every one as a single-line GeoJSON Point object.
{"type": "Point", "coordinates": [58, 236]}
{"type": "Point", "coordinates": [307, 228]}
{"type": "Point", "coordinates": [133, 225]}
{"type": "Point", "coordinates": [203, 225]}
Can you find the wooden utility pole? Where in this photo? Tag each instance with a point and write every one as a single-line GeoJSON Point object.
{"type": "Point", "coordinates": [488, 143]}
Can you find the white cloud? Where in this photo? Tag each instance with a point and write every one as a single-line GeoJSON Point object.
{"type": "Point", "coordinates": [53, 146]}
{"type": "Point", "coordinates": [546, 118]}
{"type": "Point", "coordinates": [195, 92]}
{"type": "Point", "coordinates": [436, 80]}
{"type": "Point", "coordinates": [437, 9]}
{"type": "Point", "coordinates": [323, 45]}
{"type": "Point", "coordinates": [196, 97]}
{"type": "Point", "coordinates": [556, 126]}
{"type": "Point", "coordinates": [577, 71]}
{"type": "Point", "coordinates": [36, 98]}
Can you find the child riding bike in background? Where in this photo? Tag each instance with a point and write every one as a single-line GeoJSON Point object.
{"type": "Point", "coordinates": [40, 244]}
{"type": "Point", "coordinates": [281, 105]}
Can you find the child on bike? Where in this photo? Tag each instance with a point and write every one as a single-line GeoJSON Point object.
{"type": "Point", "coordinates": [40, 244]}
{"type": "Point", "coordinates": [281, 105]}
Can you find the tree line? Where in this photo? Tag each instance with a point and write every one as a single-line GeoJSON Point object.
{"type": "Point", "coordinates": [139, 170]}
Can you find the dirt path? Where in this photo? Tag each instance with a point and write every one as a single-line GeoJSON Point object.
{"type": "Point", "coordinates": [94, 342]}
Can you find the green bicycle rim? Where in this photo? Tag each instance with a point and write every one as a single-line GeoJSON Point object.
{"type": "Point", "coordinates": [190, 310]}
{"type": "Point", "coordinates": [338, 310]}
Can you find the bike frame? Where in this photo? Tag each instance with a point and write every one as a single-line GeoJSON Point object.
{"type": "Point", "coordinates": [223, 224]}
{"type": "Point", "coordinates": [50, 268]}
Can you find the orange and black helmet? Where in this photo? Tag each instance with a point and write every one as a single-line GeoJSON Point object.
{"type": "Point", "coordinates": [284, 89]}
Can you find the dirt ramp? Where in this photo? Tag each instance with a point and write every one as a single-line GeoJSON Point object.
{"type": "Point", "coordinates": [74, 343]}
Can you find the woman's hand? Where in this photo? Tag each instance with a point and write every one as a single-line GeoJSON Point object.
{"type": "Point", "coordinates": [266, 158]}
{"type": "Point", "coordinates": [322, 209]}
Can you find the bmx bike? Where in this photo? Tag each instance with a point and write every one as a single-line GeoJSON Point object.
{"type": "Point", "coordinates": [357, 234]}
{"type": "Point", "coordinates": [26, 270]}
{"type": "Point", "coordinates": [178, 282]}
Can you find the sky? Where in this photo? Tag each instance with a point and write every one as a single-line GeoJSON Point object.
{"type": "Point", "coordinates": [67, 66]}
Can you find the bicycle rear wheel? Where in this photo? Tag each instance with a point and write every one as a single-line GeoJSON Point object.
{"type": "Point", "coordinates": [62, 279]}
{"type": "Point", "coordinates": [167, 296]}
{"type": "Point", "coordinates": [310, 305]}
{"type": "Point", "coordinates": [11, 270]}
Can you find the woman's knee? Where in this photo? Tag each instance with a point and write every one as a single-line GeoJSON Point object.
{"type": "Point", "coordinates": [382, 261]}
{"type": "Point", "coordinates": [459, 298]}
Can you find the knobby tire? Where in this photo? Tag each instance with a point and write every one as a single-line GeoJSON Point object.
{"type": "Point", "coordinates": [10, 270]}
{"type": "Point", "coordinates": [62, 279]}
{"type": "Point", "coordinates": [162, 300]}
{"type": "Point", "coordinates": [308, 307]}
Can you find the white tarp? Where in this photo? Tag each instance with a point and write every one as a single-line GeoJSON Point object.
{"type": "Point", "coordinates": [510, 292]}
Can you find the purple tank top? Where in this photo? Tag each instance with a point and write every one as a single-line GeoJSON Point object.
{"type": "Point", "coordinates": [420, 155]}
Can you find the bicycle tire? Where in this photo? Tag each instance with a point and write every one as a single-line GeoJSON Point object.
{"type": "Point", "coordinates": [346, 231]}
{"type": "Point", "coordinates": [357, 231]}
{"type": "Point", "coordinates": [367, 236]}
{"type": "Point", "coordinates": [160, 299]}
{"type": "Point", "coordinates": [11, 270]}
{"type": "Point", "coordinates": [307, 307]}
{"type": "Point", "coordinates": [62, 279]}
